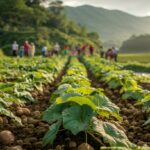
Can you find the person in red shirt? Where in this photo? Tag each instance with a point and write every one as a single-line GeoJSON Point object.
{"type": "Point", "coordinates": [26, 48]}
{"type": "Point", "coordinates": [91, 50]}
{"type": "Point", "coordinates": [83, 49]}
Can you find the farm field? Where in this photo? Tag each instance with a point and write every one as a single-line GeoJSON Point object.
{"type": "Point", "coordinates": [139, 63]}
{"type": "Point", "coordinates": [70, 103]}
{"type": "Point", "coordinates": [137, 57]}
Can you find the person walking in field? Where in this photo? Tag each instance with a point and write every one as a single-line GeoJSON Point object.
{"type": "Point", "coordinates": [44, 50]}
{"type": "Point", "coordinates": [83, 49]}
{"type": "Point", "coordinates": [109, 54]}
{"type": "Point", "coordinates": [15, 48]}
{"type": "Point", "coordinates": [31, 51]}
{"type": "Point", "coordinates": [26, 48]}
{"type": "Point", "coordinates": [115, 53]}
{"type": "Point", "coordinates": [57, 48]}
{"type": "Point", "coordinates": [21, 51]}
{"type": "Point", "coordinates": [78, 47]}
{"type": "Point", "coordinates": [66, 50]}
{"type": "Point", "coordinates": [91, 50]}
{"type": "Point", "coordinates": [102, 52]}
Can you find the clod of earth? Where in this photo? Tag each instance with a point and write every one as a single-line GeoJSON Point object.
{"type": "Point", "coordinates": [1, 120]}
{"type": "Point", "coordinates": [72, 144]}
{"type": "Point", "coordinates": [85, 146]}
{"type": "Point", "coordinates": [7, 137]}
{"type": "Point", "coordinates": [14, 148]}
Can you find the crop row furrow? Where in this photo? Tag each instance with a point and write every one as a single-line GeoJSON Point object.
{"type": "Point", "coordinates": [79, 108]}
{"type": "Point", "coordinates": [134, 105]}
{"type": "Point", "coordinates": [29, 134]}
{"type": "Point", "coordinates": [22, 79]}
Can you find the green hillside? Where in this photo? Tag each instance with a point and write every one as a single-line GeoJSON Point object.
{"type": "Point", "coordinates": [22, 20]}
{"type": "Point", "coordinates": [113, 26]}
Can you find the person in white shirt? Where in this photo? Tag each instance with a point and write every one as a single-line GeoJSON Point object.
{"type": "Point", "coordinates": [15, 47]}
{"type": "Point", "coordinates": [56, 48]}
{"type": "Point", "coordinates": [115, 53]}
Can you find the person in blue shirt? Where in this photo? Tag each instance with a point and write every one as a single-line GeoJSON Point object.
{"type": "Point", "coordinates": [44, 49]}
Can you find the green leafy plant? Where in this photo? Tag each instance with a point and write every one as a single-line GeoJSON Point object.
{"type": "Point", "coordinates": [76, 104]}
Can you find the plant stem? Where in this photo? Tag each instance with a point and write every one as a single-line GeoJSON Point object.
{"type": "Point", "coordinates": [85, 137]}
{"type": "Point", "coordinates": [98, 140]}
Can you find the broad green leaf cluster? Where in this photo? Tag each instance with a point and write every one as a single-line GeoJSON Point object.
{"type": "Point", "coordinates": [18, 77]}
{"type": "Point", "coordinates": [76, 106]}
{"type": "Point", "coordinates": [116, 78]}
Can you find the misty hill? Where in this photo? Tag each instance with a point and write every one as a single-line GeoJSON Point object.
{"type": "Point", "coordinates": [112, 25]}
{"type": "Point", "coordinates": [136, 44]}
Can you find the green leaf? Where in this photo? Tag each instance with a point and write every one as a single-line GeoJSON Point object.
{"type": "Point", "coordinates": [54, 113]}
{"type": "Point", "coordinates": [111, 134]}
{"type": "Point", "coordinates": [145, 102]}
{"type": "Point", "coordinates": [24, 95]}
{"type": "Point", "coordinates": [81, 101]}
{"type": "Point", "coordinates": [8, 113]}
{"type": "Point", "coordinates": [51, 134]}
{"type": "Point", "coordinates": [62, 88]}
{"type": "Point", "coordinates": [85, 90]}
{"type": "Point", "coordinates": [66, 96]}
{"type": "Point", "coordinates": [77, 118]}
{"type": "Point", "coordinates": [105, 107]}
{"type": "Point", "coordinates": [148, 121]}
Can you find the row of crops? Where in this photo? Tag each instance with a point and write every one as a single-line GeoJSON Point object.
{"type": "Point", "coordinates": [78, 115]}
{"type": "Point", "coordinates": [18, 77]}
{"type": "Point", "coordinates": [116, 78]}
{"type": "Point", "coordinates": [76, 107]}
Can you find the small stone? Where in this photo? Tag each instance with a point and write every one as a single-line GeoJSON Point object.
{"type": "Point", "coordinates": [36, 114]}
{"type": "Point", "coordinates": [5, 120]}
{"type": "Point", "coordinates": [26, 111]}
{"type": "Point", "coordinates": [6, 137]}
{"type": "Point", "coordinates": [19, 142]}
{"type": "Point", "coordinates": [58, 147]}
{"type": "Point", "coordinates": [1, 120]}
{"type": "Point", "coordinates": [32, 139]}
{"type": "Point", "coordinates": [19, 112]}
{"type": "Point", "coordinates": [141, 143]}
{"type": "Point", "coordinates": [38, 144]}
{"type": "Point", "coordinates": [85, 146]}
{"type": "Point", "coordinates": [14, 148]}
{"type": "Point", "coordinates": [24, 120]}
{"type": "Point", "coordinates": [32, 121]}
{"type": "Point", "coordinates": [72, 144]}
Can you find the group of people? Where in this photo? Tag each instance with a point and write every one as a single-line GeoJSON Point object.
{"type": "Point", "coordinates": [79, 49]}
{"type": "Point", "coordinates": [72, 50]}
{"type": "Point", "coordinates": [111, 53]}
{"type": "Point", "coordinates": [28, 49]}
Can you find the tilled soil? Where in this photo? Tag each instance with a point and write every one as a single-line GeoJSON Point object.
{"type": "Point", "coordinates": [29, 136]}
{"type": "Point", "coordinates": [133, 116]}
{"type": "Point", "coordinates": [145, 86]}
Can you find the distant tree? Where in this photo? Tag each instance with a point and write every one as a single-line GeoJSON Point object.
{"type": "Point", "coordinates": [93, 35]}
{"type": "Point", "coordinates": [56, 7]}
{"type": "Point", "coordinates": [9, 5]}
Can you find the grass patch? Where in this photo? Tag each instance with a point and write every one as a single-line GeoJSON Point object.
{"type": "Point", "coordinates": [137, 57]}
{"type": "Point", "coordinates": [136, 62]}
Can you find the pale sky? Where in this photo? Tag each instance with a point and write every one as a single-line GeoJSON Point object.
{"type": "Point", "coordinates": [135, 7]}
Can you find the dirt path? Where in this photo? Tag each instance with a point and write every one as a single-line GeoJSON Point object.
{"type": "Point", "coordinates": [29, 136]}
{"type": "Point", "coordinates": [145, 86]}
{"type": "Point", "coordinates": [133, 117]}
